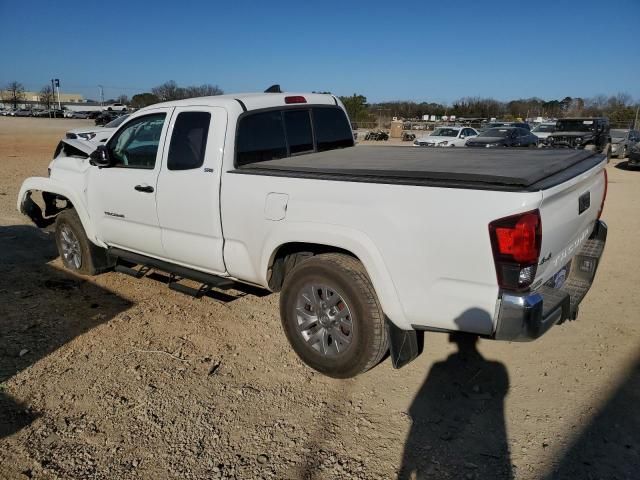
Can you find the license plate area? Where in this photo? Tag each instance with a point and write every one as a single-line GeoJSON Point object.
{"type": "Point", "coordinates": [560, 277]}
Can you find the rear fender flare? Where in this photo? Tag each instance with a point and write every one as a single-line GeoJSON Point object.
{"type": "Point", "coordinates": [343, 238]}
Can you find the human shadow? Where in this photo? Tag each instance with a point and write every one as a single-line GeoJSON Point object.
{"type": "Point", "coordinates": [458, 426]}
{"type": "Point", "coordinates": [42, 308]}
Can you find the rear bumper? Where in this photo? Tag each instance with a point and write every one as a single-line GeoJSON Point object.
{"type": "Point", "coordinates": [526, 316]}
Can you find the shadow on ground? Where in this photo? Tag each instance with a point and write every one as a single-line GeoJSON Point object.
{"type": "Point", "coordinates": [41, 309]}
{"type": "Point", "coordinates": [458, 424]}
{"type": "Point", "coordinates": [608, 447]}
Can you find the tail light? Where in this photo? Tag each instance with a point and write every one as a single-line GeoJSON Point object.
{"type": "Point", "coordinates": [516, 244]}
{"type": "Point", "coordinates": [604, 195]}
{"type": "Point", "coordinates": [295, 99]}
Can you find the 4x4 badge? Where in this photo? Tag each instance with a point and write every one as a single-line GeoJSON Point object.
{"type": "Point", "coordinates": [545, 259]}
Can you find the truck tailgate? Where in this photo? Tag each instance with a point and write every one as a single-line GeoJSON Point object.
{"type": "Point", "coordinates": [569, 212]}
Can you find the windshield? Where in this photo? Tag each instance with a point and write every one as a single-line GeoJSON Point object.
{"type": "Point", "coordinates": [497, 132]}
{"type": "Point", "coordinates": [117, 122]}
{"type": "Point", "coordinates": [619, 133]}
{"type": "Point", "coordinates": [545, 128]}
{"type": "Point", "coordinates": [445, 132]}
{"type": "Point", "coordinates": [575, 125]}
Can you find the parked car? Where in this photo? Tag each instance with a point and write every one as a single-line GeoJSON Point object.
{"type": "Point", "coordinates": [116, 107]}
{"type": "Point", "coordinates": [106, 117]}
{"type": "Point", "coordinates": [543, 130]}
{"type": "Point", "coordinates": [447, 137]}
{"type": "Point", "coordinates": [23, 112]}
{"type": "Point", "coordinates": [622, 140]}
{"type": "Point", "coordinates": [504, 137]}
{"type": "Point", "coordinates": [75, 114]}
{"type": "Point", "coordinates": [490, 125]}
{"type": "Point", "coordinates": [97, 134]}
{"type": "Point", "coordinates": [318, 219]}
{"type": "Point", "coordinates": [591, 133]}
{"type": "Point", "coordinates": [634, 156]}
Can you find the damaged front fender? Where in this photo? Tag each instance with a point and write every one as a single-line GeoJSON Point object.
{"type": "Point", "coordinates": [52, 190]}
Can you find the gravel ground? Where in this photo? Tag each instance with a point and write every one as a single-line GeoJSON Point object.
{"type": "Point", "coordinates": [115, 378]}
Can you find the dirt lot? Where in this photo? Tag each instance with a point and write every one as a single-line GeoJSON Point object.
{"type": "Point", "coordinates": [112, 377]}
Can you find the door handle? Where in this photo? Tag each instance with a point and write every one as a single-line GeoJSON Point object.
{"type": "Point", "coordinates": [144, 188]}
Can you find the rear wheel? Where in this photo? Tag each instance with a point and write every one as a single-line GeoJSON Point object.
{"type": "Point", "coordinates": [331, 316]}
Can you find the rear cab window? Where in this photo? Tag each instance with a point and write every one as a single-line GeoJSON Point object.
{"type": "Point", "coordinates": [332, 129]}
{"type": "Point", "coordinates": [279, 133]}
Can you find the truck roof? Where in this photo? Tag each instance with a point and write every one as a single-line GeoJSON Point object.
{"type": "Point", "coordinates": [485, 169]}
{"type": "Point", "coordinates": [251, 101]}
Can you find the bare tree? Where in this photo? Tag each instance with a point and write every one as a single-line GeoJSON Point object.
{"type": "Point", "coordinates": [46, 96]}
{"type": "Point", "coordinates": [168, 91]}
{"type": "Point", "coordinates": [13, 93]}
{"type": "Point", "coordinates": [171, 91]}
{"type": "Point", "coordinates": [205, 90]}
{"type": "Point", "coordinates": [123, 99]}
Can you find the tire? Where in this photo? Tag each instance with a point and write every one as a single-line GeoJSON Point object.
{"type": "Point", "coordinates": [354, 318]}
{"type": "Point", "coordinates": [622, 154]}
{"type": "Point", "coordinates": [78, 254]}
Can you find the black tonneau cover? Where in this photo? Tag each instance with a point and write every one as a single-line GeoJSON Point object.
{"type": "Point", "coordinates": [503, 169]}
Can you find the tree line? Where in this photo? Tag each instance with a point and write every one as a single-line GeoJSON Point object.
{"type": "Point", "coordinates": [620, 108]}
{"type": "Point", "coordinates": [13, 93]}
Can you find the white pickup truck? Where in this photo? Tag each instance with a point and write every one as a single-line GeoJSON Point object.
{"type": "Point", "coordinates": [369, 246]}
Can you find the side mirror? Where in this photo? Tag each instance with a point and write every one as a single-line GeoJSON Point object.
{"type": "Point", "coordinates": [462, 136]}
{"type": "Point", "coordinates": [100, 157]}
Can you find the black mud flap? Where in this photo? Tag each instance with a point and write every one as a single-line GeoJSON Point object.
{"type": "Point", "coordinates": [403, 345]}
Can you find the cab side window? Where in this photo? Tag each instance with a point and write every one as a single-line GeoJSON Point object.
{"type": "Point", "coordinates": [136, 145]}
{"type": "Point", "coordinates": [260, 138]}
{"type": "Point", "coordinates": [189, 141]}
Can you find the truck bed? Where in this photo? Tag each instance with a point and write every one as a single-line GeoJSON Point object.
{"type": "Point", "coordinates": [475, 168]}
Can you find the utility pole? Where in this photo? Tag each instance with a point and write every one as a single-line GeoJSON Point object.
{"type": "Point", "coordinates": [53, 92]}
{"type": "Point", "coordinates": [57, 82]}
{"type": "Point", "coordinates": [101, 95]}
{"type": "Point", "coordinates": [635, 123]}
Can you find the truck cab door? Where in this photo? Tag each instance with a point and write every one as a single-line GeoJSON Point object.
{"type": "Point", "coordinates": [122, 197]}
{"type": "Point", "coordinates": [189, 188]}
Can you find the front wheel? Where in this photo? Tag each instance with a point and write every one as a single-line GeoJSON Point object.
{"type": "Point", "coordinates": [331, 316]}
{"type": "Point", "coordinates": [78, 254]}
{"type": "Point", "coordinates": [623, 153]}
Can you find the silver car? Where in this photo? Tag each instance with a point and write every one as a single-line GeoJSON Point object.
{"type": "Point", "coordinates": [622, 140]}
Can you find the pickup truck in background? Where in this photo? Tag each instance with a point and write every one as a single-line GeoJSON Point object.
{"type": "Point", "coordinates": [368, 246]}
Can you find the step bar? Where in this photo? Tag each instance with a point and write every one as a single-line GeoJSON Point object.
{"type": "Point", "coordinates": [176, 272]}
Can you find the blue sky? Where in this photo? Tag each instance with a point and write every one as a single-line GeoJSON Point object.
{"type": "Point", "coordinates": [420, 50]}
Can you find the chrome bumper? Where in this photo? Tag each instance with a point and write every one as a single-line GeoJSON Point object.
{"type": "Point", "coordinates": [526, 316]}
